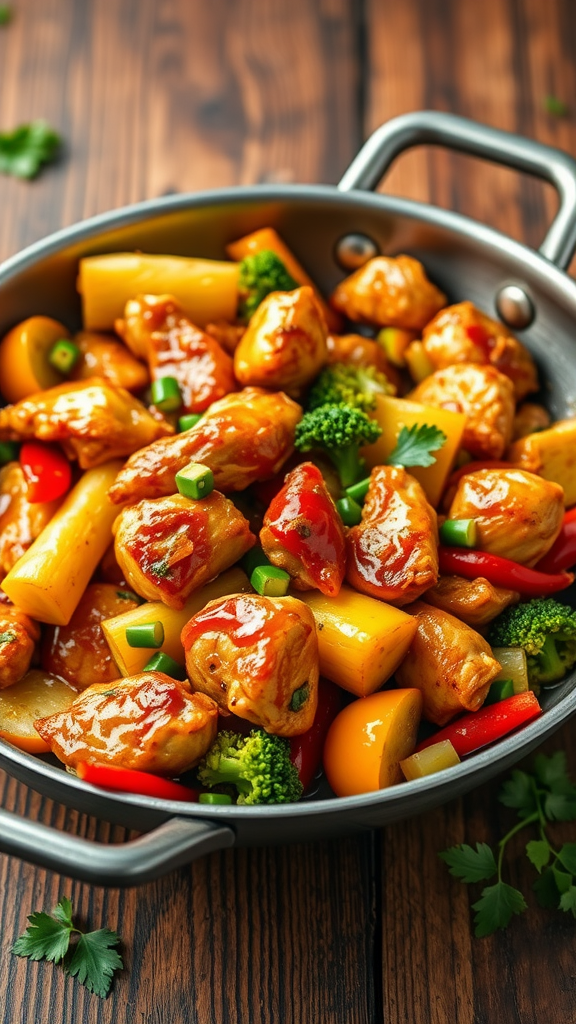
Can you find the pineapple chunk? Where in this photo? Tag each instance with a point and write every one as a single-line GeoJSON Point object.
{"type": "Point", "coordinates": [551, 454]}
{"type": "Point", "coordinates": [430, 760]}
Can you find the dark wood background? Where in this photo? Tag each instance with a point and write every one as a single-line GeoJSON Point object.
{"type": "Point", "coordinates": [153, 97]}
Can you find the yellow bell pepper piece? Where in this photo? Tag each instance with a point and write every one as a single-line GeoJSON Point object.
{"type": "Point", "coordinates": [24, 366]}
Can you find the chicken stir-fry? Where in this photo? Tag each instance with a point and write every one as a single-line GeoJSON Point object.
{"type": "Point", "coordinates": [102, 355]}
{"type": "Point", "coordinates": [18, 637]}
{"type": "Point", "coordinates": [389, 291]}
{"type": "Point", "coordinates": [475, 602]}
{"type": "Point", "coordinates": [20, 521]}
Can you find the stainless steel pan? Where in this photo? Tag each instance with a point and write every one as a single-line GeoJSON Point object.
{"type": "Point", "coordinates": [467, 260]}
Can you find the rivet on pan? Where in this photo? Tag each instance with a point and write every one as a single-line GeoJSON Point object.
{"type": "Point", "coordinates": [514, 306]}
{"type": "Point", "coordinates": [353, 251]}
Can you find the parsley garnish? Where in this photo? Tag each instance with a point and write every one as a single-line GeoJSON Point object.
{"type": "Point", "coordinates": [92, 958]}
{"type": "Point", "coordinates": [7, 638]}
{"type": "Point", "coordinates": [414, 445]}
{"type": "Point", "coordinates": [5, 14]}
{"type": "Point", "coordinates": [128, 595]}
{"type": "Point", "coordinates": [23, 151]}
{"type": "Point", "coordinates": [546, 794]}
{"type": "Point", "coordinates": [161, 568]}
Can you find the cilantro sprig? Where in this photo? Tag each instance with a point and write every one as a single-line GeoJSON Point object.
{"type": "Point", "coordinates": [415, 444]}
{"type": "Point", "coordinates": [539, 797]}
{"type": "Point", "coordinates": [27, 148]}
{"type": "Point", "coordinates": [92, 957]}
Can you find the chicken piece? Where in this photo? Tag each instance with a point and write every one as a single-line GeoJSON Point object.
{"type": "Point", "coordinates": [148, 722]}
{"type": "Point", "coordinates": [518, 514]}
{"type": "Point", "coordinates": [227, 335]}
{"type": "Point", "coordinates": [257, 657]}
{"type": "Point", "coordinates": [530, 417]}
{"type": "Point", "coordinates": [463, 334]}
{"type": "Point", "coordinates": [475, 602]}
{"type": "Point", "coordinates": [18, 637]}
{"type": "Point", "coordinates": [390, 291]}
{"type": "Point", "coordinates": [176, 348]}
{"type": "Point", "coordinates": [246, 436]}
{"type": "Point", "coordinates": [449, 662]}
{"type": "Point", "coordinates": [94, 421]}
{"type": "Point", "coordinates": [393, 552]}
{"type": "Point", "coordinates": [552, 454]}
{"type": "Point", "coordinates": [360, 351]}
{"type": "Point", "coordinates": [284, 345]}
{"type": "Point", "coordinates": [79, 651]}
{"type": "Point", "coordinates": [171, 546]}
{"type": "Point", "coordinates": [303, 532]}
{"type": "Point", "coordinates": [484, 394]}
{"type": "Point", "coordinates": [106, 357]}
{"type": "Point", "coordinates": [109, 571]}
{"type": "Point", "coordinates": [20, 521]}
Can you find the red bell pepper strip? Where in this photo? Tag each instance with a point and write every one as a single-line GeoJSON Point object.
{"type": "Point", "coordinates": [125, 780]}
{"type": "Point", "coordinates": [490, 723]}
{"type": "Point", "coordinates": [562, 554]}
{"type": "Point", "coordinates": [501, 572]}
{"type": "Point", "coordinates": [306, 750]}
{"type": "Point", "coordinates": [47, 472]}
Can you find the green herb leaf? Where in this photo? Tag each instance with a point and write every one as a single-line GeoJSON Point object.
{"type": "Point", "coordinates": [495, 908]}
{"type": "Point", "coordinates": [538, 853]}
{"type": "Point", "coordinates": [567, 857]}
{"type": "Point", "coordinates": [63, 912]}
{"type": "Point", "coordinates": [5, 14]}
{"type": "Point", "coordinates": [546, 890]}
{"type": "Point", "coordinates": [44, 939]}
{"type": "Point", "coordinates": [518, 792]}
{"type": "Point", "coordinates": [560, 803]}
{"type": "Point", "coordinates": [7, 638]}
{"type": "Point", "coordinates": [414, 445]}
{"type": "Point", "coordinates": [23, 151]}
{"type": "Point", "coordinates": [563, 880]}
{"type": "Point", "coordinates": [550, 771]}
{"type": "Point", "coordinates": [568, 900]}
{"type": "Point", "coordinates": [468, 864]}
{"type": "Point", "coordinates": [556, 107]}
{"type": "Point", "coordinates": [94, 961]}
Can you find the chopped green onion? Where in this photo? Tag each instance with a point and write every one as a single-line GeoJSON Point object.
{"type": "Point", "coordinates": [252, 559]}
{"type": "Point", "coordinates": [269, 581]}
{"type": "Point", "coordinates": [8, 452]}
{"type": "Point", "coordinates": [166, 394]}
{"type": "Point", "coordinates": [195, 481]}
{"type": "Point", "coordinates": [359, 491]}
{"type": "Point", "coordinates": [499, 690]}
{"type": "Point", "coordinates": [299, 697]}
{"type": "Point", "coordinates": [64, 355]}
{"type": "Point", "coordinates": [214, 798]}
{"type": "Point", "coordinates": [164, 663]}
{"type": "Point", "coordinates": [129, 595]}
{"type": "Point", "coordinates": [145, 634]}
{"type": "Point", "coordinates": [188, 421]}
{"type": "Point", "coordinates": [461, 533]}
{"type": "Point", "coordinates": [349, 511]}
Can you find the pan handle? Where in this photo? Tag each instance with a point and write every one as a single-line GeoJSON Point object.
{"type": "Point", "coordinates": [174, 843]}
{"type": "Point", "coordinates": [429, 127]}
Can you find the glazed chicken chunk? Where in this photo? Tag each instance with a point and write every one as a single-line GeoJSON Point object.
{"type": "Point", "coordinates": [104, 356]}
{"type": "Point", "coordinates": [486, 397]}
{"type": "Point", "coordinates": [94, 421]}
{"type": "Point", "coordinates": [20, 521]}
{"type": "Point", "coordinates": [552, 454]}
{"type": "Point", "coordinates": [79, 651]}
{"type": "Point", "coordinates": [389, 291]}
{"type": "Point", "coordinates": [530, 417]}
{"type": "Point", "coordinates": [18, 636]}
{"type": "Point", "coordinates": [463, 334]}
{"type": "Point", "coordinates": [246, 436]}
{"type": "Point", "coordinates": [449, 662]}
{"type": "Point", "coordinates": [475, 602]}
{"type": "Point", "coordinates": [176, 348]}
{"type": "Point", "coordinates": [148, 722]}
{"type": "Point", "coordinates": [518, 514]}
{"type": "Point", "coordinates": [393, 552]}
{"type": "Point", "coordinates": [257, 657]}
{"type": "Point", "coordinates": [169, 547]}
{"type": "Point", "coordinates": [360, 351]}
{"type": "Point", "coordinates": [284, 346]}
{"type": "Point", "coordinates": [303, 532]}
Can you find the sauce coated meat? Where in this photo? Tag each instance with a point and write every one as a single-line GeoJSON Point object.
{"type": "Point", "coordinates": [390, 291]}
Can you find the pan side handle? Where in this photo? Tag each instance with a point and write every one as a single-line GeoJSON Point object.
{"type": "Point", "coordinates": [429, 127]}
{"type": "Point", "coordinates": [173, 844]}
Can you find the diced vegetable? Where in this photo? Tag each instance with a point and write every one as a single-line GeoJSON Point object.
{"type": "Point", "coordinates": [252, 559]}
{"type": "Point", "coordinates": [164, 663]}
{"type": "Point", "coordinates": [369, 738]}
{"type": "Point", "coordinates": [500, 689]}
{"type": "Point", "coordinates": [357, 492]}
{"type": "Point", "coordinates": [195, 481]}
{"type": "Point", "coordinates": [417, 361]}
{"type": "Point", "coordinates": [461, 533]}
{"type": "Point", "coordinates": [501, 572]}
{"type": "Point", "coordinates": [479, 728]}
{"type": "Point", "coordinates": [550, 454]}
{"type": "Point", "coordinates": [47, 471]}
{"type": "Point", "coordinates": [8, 452]}
{"type": "Point", "coordinates": [166, 394]}
{"type": "Point", "coordinates": [361, 641]}
{"type": "Point", "coordinates": [207, 290]}
{"type": "Point", "coordinates": [145, 634]}
{"type": "Point", "coordinates": [48, 581]}
{"type": "Point", "coordinates": [215, 798]}
{"type": "Point", "coordinates": [435, 758]}
{"type": "Point", "coordinates": [349, 511]}
{"type": "Point", "coordinates": [395, 341]}
{"type": "Point", "coordinates": [269, 581]}
{"type": "Point", "coordinates": [36, 695]}
{"type": "Point", "coordinates": [306, 749]}
{"type": "Point", "coordinates": [514, 667]}
{"type": "Point", "coordinates": [188, 421]}
{"type": "Point", "coordinates": [562, 554]}
{"type": "Point", "coordinates": [126, 780]}
{"type": "Point", "coordinates": [24, 365]}
{"type": "Point", "coordinates": [63, 356]}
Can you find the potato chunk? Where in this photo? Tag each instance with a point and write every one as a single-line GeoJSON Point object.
{"type": "Point", "coordinates": [390, 291]}
{"type": "Point", "coordinates": [552, 454]}
{"type": "Point", "coordinates": [475, 602]}
{"type": "Point", "coordinates": [257, 657]}
{"type": "Point", "coordinates": [449, 662]}
{"type": "Point", "coordinates": [518, 514]}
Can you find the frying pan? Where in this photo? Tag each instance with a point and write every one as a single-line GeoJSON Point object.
{"type": "Point", "coordinates": [468, 261]}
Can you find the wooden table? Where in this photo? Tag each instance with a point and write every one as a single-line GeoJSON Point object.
{"type": "Point", "coordinates": [153, 97]}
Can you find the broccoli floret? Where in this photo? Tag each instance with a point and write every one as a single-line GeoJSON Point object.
{"type": "Point", "coordinates": [258, 765]}
{"type": "Point", "coordinates": [353, 385]}
{"type": "Point", "coordinates": [261, 274]}
{"type": "Point", "coordinates": [546, 629]}
{"type": "Point", "coordinates": [340, 431]}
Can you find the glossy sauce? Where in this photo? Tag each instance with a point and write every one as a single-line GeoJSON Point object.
{"type": "Point", "coordinates": [171, 545]}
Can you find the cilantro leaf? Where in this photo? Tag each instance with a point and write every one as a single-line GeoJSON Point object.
{"type": "Point", "coordinates": [94, 961]}
{"type": "Point", "coordinates": [468, 864]}
{"type": "Point", "coordinates": [568, 900]}
{"type": "Point", "coordinates": [495, 908]}
{"type": "Point", "coordinates": [414, 445]}
{"type": "Point", "coordinates": [551, 770]}
{"type": "Point", "coordinates": [44, 939]}
{"type": "Point", "coordinates": [567, 857]}
{"type": "Point", "coordinates": [560, 803]}
{"type": "Point", "coordinates": [546, 890]}
{"type": "Point", "coordinates": [23, 151]}
{"type": "Point", "coordinates": [63, 912]}
{"type": "Point", "coordinates": [563, 880]}
{"type": "Point", "coordinates": [538, 853]}
{"type": "Point", "coordinates": [518, 792]}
